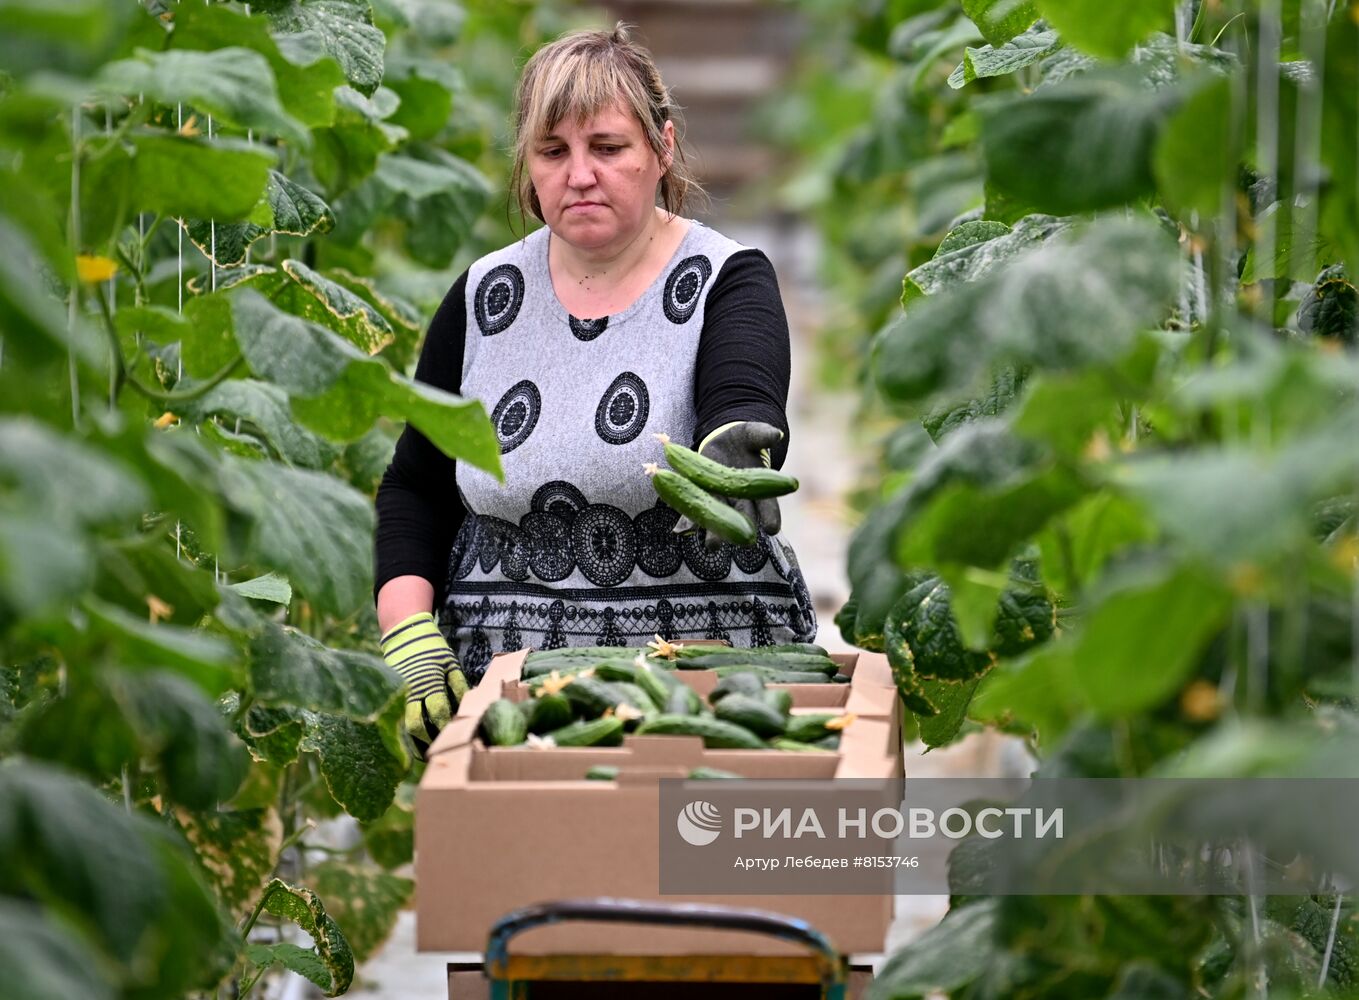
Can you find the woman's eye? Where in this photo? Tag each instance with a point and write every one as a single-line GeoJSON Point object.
{"type": "Point", "coordinates": [551, 154]}
{"type": "Point", "coordinates": [609, 149]}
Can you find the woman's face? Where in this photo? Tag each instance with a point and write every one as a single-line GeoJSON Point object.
{"type": "Point", "coordinates": [596, 180]}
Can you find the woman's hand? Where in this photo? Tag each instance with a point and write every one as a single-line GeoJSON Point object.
{"type": "Point", "coordinates": [416, 649]}
{"type": "Point", "coordinates": [742, 445]}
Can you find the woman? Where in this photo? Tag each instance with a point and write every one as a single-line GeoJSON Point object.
{"type": "Point", "coordinates": [616, 321]}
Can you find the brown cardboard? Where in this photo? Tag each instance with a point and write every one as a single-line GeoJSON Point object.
{"type": "Point", "coordinates": [498, 828]}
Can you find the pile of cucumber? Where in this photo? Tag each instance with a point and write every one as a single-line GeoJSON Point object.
{"type": "Point", "coordinates": [593, 701]}
{"type": "Point", "coordinates": [792, 663]}
{"type": "Point", "coordinates": [692, 479]}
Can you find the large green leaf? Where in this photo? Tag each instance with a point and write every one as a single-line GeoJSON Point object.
{"type": "Point", "coordinates": [184, 736]}
{"type": "Point", "coordinates": [1195, 155]}
{"type": "Point", "coordinates": [1078, 300]}
{"type": "Point", "coordinates": [286, 669]}
{"type": "Point", "coordinates": [1082, 145]}
{"type": "Point", "coordinates": [1340, 136]}
{"type": "Point", "coordinates": [1271, 493]}
{"type": "Point", "coordinates": [115, 876]}
{"type": "Point", "coordinates": [390, 839]}
{"type": "Point", "coordinates": [362, 762]}
{"type": "Point", "coordinates": [343, 28]}
{"type": "Point", "coordinates": [426, 89]}
{"type": "Point", "coordinates": [975, 249]}
{"type": "Point", "coordinates": [42, 567]}
{"type": "Point", "coordinates": [33, 320]}
{"type": "Point", "coordinates": [75, 485]}
{"type": "Point", "coordinates": [945, 417]}
{"type": "Point", "coordinates": [43, 961]}
{"type": "Point", "coordinates": [1000, 20]}
{"type": "Point", "coordinates": [172, 175]}
{"type": "Point", "coordinates": [364, 902]}
{"type": "Point", "coordinates": [237, 851]}
{"type": "Point", "coordinates": [234, 84]}
{"type": "Point", "coordinates": [331, 963]}
{"type": "Point", "coordinates": [142, 573]}
{"type": "Point", "coordinates": [207, 660]}
{"type": "Point", "coordinates": [287, 208]}
{"type": "Point", "coordinates": [311, 527]}
{"type": "Point", "coordinates": [306, 78]}
{"type": "Point", "coordinates": [440, 198]}
{"type": "Point", "coordinates": [1001, 60]}
{"type": "Point", "coordinates": [339, 391]}
{"type": "Point", "coordinates": [1135, 647]}
{"type": "Point", "coordinates": [273, 734]}
{"type": "Point", "coordinates": [1087, 24]}
{"type": "Point", "coordinates": [261, 408]}
{"type": "Point", "coordinates": [945, 958]}
{"type": "Point", "coordinates": [347, 152]}
{"type": "Point", "coordinates": [436, 21]}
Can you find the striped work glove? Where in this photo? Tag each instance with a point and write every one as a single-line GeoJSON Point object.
{"type": "Point", "coordinates": [416, 649]}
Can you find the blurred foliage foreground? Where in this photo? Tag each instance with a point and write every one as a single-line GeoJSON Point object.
{"type": "Point", "coordinates": [1109, 253]}
{"type": "Point", "coordinates": [221, 228]}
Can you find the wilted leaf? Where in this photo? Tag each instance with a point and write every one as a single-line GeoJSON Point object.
{"type": "Point", "coordinates": [362, 762]}
{"type": "Point", "coordinates": [273, 734]}
{"type": "Point", "coordinates": [333, 968]}
{"type": "Point", "coordinates": [287, 208]}
{"type": "Point", "coordinates": [363, 901]}
{"type": "Point", "coordinates": [237, 850]}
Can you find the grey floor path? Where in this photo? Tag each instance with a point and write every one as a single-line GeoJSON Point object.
{"type": "Point", "coordinates": [818, 524]}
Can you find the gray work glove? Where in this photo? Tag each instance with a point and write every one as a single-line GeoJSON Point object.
{"type": "Point", "coordinates": [741, 445]}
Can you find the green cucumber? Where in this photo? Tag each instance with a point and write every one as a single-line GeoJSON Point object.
{"type": "Point", "coordinates": [754, 658]}
{"type": "Point", "coordinates": [775, 676]}
{"type": "Point", "coordinates": [602, 772]}
{"type": "Point", "coordinates": [636, 696]}
{"type": "Point", "coordinates": [715, 733]}
{"type": "Point", "coordinates": [746, 682]}
{"type": "Point", "coordinates": [842, 678]}
{"type": "Point", "coordinates": [712, 774]}
{"type": "Point", "coordinates": [658, 688]}
{"type": "Point", "coordinates": [831, 742]}
{"type": "Point", "coordinates": [546, 712]}
{"type": "Point", "coordinates": [617, 670]}
{"type": "Point", "coordinates": [684, 700]}
{"type": "Point", "coordinates": [781, 700]}
{"type": "Point", "coordinates": [591, 697]}
{"type": "Point", "coordinates": [755, 714]}
{"type": "Point", "coordinates": [606, 732]}
{"type": "Point", "coordinates": [701, 507]}
{"type": "Point", "coordinates": [503, 725]}
{"type": "Point", "coordinates": [811, 727]}
{"type": "Point", "coordinates": [794, 647]}
{"type": "Point", "coordinates": [571, 665]}
{"type": "Point", "coordinates": [783, 743]}
{"type": "Point", "coordinates": [757, 483]}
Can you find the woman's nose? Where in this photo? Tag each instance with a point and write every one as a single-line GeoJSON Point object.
{"type": "Point", "coordinates": [582, 171]}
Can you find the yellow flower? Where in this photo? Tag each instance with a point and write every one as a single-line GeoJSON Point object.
{"type": "Point", "coordinates": [95, 269]}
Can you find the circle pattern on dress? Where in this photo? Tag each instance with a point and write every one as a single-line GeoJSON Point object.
{"type": "Point", "coordinates": [466, 546]}
{"type": "Point", "coordinates": [549, 541]}
{"type": "Point", "coordinates": [683, 286]}
{"type": "Point", "coordinates": [705, 564]}
{"type": "Point", "coordinates": [559, 497]}
{"type": "Point", "coordinates": [588, 329]}
{"type": "Point", "coordinates": [750, 558]}
{"type": "Point", "coordinates": [658, 548]}
{"type": "Point", "coordinates": [622, 412]}
{"type": "Point", "coordinates": [516, 415]}
{"type": "Point", "coordinates": [604, 543]}
{"type": "Point", "coordinates": [499, 295]}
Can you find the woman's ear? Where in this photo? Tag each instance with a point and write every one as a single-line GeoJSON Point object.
{"type": "Point", "coordinates": [668, 137]}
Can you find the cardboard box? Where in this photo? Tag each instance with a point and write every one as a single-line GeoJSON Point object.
{"type": "Point", "coordinates": [498, 828]}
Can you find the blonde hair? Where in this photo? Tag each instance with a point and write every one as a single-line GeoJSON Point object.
{"type": "Point", "coordinates": [579, 75]}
